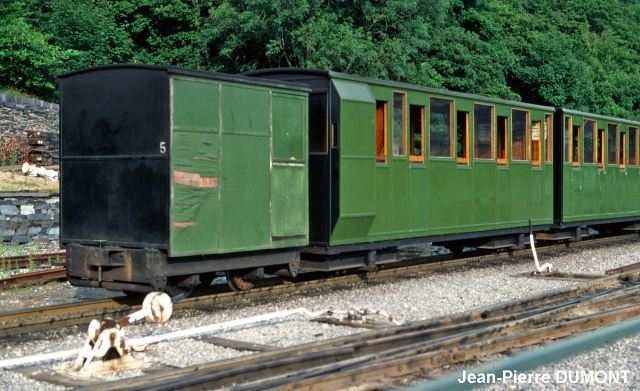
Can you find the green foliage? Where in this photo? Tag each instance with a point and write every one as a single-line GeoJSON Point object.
{"type": "Point", "coordinates": [13, 150]}
{"type": "Point", "coordinates": [580, 54]}
{"type": "Point", "coordinates": [28, 62]}
{"type": "Point", "coordinates": [89, 28]}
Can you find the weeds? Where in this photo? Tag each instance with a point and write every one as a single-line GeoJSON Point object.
{"type": "Point", "coordinates": [14, 150]}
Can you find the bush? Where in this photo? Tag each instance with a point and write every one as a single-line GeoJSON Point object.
{"type": "Point", "coordinates": [14, 150]}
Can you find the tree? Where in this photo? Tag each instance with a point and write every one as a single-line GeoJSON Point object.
{"type": "Point", "coordinates": [87, 27]}
{"type": "Point", "coordinates": [28, 62]}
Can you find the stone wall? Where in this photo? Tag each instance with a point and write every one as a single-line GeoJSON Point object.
{"type": "Point", "coordinates": [27, 103]}
{"type": "Point", "coordinates": [18, 116]}
{"type": "Point", "coordinates": [29, 216]}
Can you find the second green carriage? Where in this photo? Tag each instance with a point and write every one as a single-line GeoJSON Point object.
{"type": "Point", "coordinates": [393, 162]}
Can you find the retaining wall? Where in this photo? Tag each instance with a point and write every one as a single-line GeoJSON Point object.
{"type": "Point", "coordinates": [27, 103]}
{"type": "Point", "coordinates": [29, 216]}
{"type": "Point", "coordinates": [26, 216]}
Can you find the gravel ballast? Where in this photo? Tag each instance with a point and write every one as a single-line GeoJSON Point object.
{"type": "Point", "coordinates": [407, 299]}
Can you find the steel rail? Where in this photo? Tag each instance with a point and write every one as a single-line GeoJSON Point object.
{"type": "Point", "coordinates": [400, 350]}
{"type": "Point", "coordinates": [31, 277]}
{"type": "Point", "coordinates": [51, 317]}
{"type": "Point", "coordinates": [24, 261]}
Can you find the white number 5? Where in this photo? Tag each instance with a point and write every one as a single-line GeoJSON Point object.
{"type": "Point", "coordinates": [163, 147]}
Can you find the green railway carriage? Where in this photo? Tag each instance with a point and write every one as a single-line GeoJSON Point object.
{"type": "Point", "coordinates": [404, 162]}
{"type": "Point", "coordinates": [169, 174]}
{"type": "Point", "coordinates": [597, 175]}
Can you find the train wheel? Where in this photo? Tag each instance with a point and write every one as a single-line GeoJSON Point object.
{"type": "Point", "coordinates": [237, 282]}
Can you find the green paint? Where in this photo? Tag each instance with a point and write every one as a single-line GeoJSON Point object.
{"type": "Point", "coordinates": [244, 148]}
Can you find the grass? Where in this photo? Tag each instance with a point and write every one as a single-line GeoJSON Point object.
{"type": "Point", "coordinates": [18, 185]}
{"type": "Point", "coordinates": [13, 249]}
{"type": "Point", "coordinates": [18, 93]}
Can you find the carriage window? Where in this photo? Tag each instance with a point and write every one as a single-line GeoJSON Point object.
{"type": "Point", "coordinates": [483, 132]}
{"type": "Point", "coordinates": [381, 131]}
{"type": "Point", "coordinates": [536, 132]}
{"type": "Point", "coordinates": [567, 139]}
{"type": "Point", "coordinates": [416, 137]}
{"type": "Point", "coordinates": [575, 153]}
{"type": "Point", "coordinates": [503, 150]}
{"type": "Point", "coordinates": [548, 137]}
{"type": "Point", "coordinates": [462, 138]}
{"type": "Point", "coordinates": [623, 147]}
{"type": "Point", "coordinates": [588, 154]}
{"type": "Point", "coordinates": [600, 148]}
{"type": "Point", "coordinates": [633, 146]}
{"type": "Point", "coordinates": [399, 121]}
{"type": "Point", "coordinates": [441, 127]}
{"type": "Point", "coordinates": [519, 135]}
{"type": "Point", "coordinates": [612, 157]}
{"type": "Point", "coordinates": [318, 123]}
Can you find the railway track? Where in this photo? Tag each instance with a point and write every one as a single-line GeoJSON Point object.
{"type": "Point", "coordinates": [33, 260]}
{"type": "Point", "coordinates": [51, 317]}
{"type": "Point", "coordinates": [361, 360]}
{"type": "Point", "coordinates": [372, 357]}
{"type": "Point", "coordinates": [24, 261]}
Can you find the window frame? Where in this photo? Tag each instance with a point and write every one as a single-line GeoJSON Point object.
{"type": "Point", "coordinates": [464, 159]}
{"type": "Point", "coordinates": [602, 136]}
{"type": "Point", "coordinates": [381, 126]}
{"type": "Point", "coordinates": [412, 157]}
{"type": "Point", "coordinates": [492, 132]}
{"type": "Point", "coordinates": [548, 134]}
{"type": "Point", "coordinates": [594, 141]}
{"type": "Point", "coordinates": [502, 139]}
{"type": "Point", "coordinates": [403, 126]}
{"type": "Point", "coordinates": [451, 128]}
{"type": "Point", "coordinates": [536, 162]}
{"type": "Point", "coordinates": [635, 150]}
{"type": "Point", "coordinates": [575, 160]}
{"type": "Point", "coordinates": [527, 135]}
{"type": "Point", "coordinates": [622, 150]}
{"type": "Point", "coordinates": [614, 153]}
{"type": "Point", "coordinates": [568, 139]}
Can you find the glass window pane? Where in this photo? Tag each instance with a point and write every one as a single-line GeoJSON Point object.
{"type": "Point", "coordinates": [633, 146]}
{"type": "Point", "coordinates": [589, 148]}
{"type": "Point", "coordinates": [519, 131]}
{"type": "Point", "coordinates": [416, 118]}
{"type": "Point", "coordinates": [381, 131]}
{"type": "Point", "coordinates": [399, 132]}
{"type": "Point", "coordinates": [567, 139]}
{"type": "Point", "coordinates": [612, 152]}
{"type": "Point", "coordinates": [575, 155]}
{"type": "Point", "coordinates": [462, 137]}
{"type": "Point", "coordinates": [548, 137]}
{"type": "Point", "coordinates": [536, 132]}
{"type": "Point", "coordinates": [483, 132]}
{"type": "Point", "coordinates": [440, 127]}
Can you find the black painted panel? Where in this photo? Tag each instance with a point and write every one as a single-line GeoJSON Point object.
{"type": "Point", "coordinates": [114, 175]}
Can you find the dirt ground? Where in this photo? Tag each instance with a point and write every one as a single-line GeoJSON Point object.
{"type": "Point", "coordinates": [13, 180]}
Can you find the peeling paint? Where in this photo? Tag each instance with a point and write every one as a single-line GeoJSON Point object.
{"type": "Point", "coordinates": [183, 224]}
{"type": "Point", "coordinates": [194, 179]}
